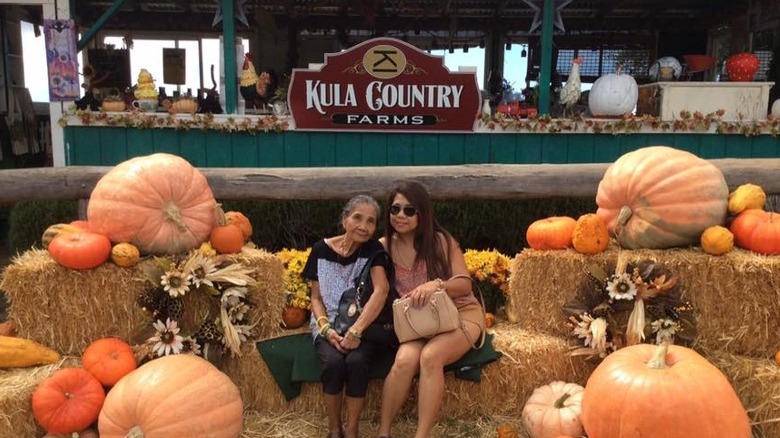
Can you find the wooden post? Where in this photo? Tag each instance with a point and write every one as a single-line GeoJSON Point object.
{"type": "Point", "coordinates": [545, 73]}
{"type": "Point", "coordinates": [229, 42]}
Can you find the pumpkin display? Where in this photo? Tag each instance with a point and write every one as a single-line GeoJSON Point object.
{"type": "Point", "coordinates": [241, 221]}
{"type": "Point", "coordinates": [745, 197]}
{"type": "Point", "coordinates": [108, 359]}
{"type": "Point", "coordinates": [21, 353]}
{"type": "Point", "coordinates": [68, 401]}
{"type": "Point", "coordinates": [613, 95]}
{"type": "Point", "coordinates": [84, 250]}
{"type": "Point", "coordinates": [125, 255]}
{"type": "Point", "coordinates": [643, 389]}
{"type": "Point", "coordinates": [160, 203]}
{"type": "Point", "coordinates": [184, 106]}
{"type": "Point", "coordinates": [717, 240]}
{"type": "Point", "coordinates": [757, 230]}
{"type": "Point", "coordinates": [56, 229]}
{"type": "Point", "coordinates": [554, 232]}
{"type": "Point", "coordinates": [554, 410]}
{"type": "Point", "coordinates": [180, 395]}
{"type": "Point", "coordinates": [659, 197]}
{"type": "Point", "coordinates": [590, 234]}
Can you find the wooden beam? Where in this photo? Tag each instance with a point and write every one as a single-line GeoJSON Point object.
{"type": "Point", "coordinates": [478, 181]}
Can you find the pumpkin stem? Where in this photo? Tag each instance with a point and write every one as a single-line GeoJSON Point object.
{"type": "Point", "coordinates": [221, 218]}
{"type": "Point", "coordinates": [559, 404]}
{"type": "Point", "coordinates": [173, 214]}
{"type": "Point", "coordinates": [135, 432]}
{"type": "Point", "coordinates": [625, 214]}
{"type": "Point", "coordinates": [658, 361]}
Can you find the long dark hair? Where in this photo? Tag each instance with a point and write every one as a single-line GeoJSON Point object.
{"type": "Point", "coordinates": [426, 240]}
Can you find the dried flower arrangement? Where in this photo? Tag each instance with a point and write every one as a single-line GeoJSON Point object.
{"type": "Point", "coordinates": [638, 302]}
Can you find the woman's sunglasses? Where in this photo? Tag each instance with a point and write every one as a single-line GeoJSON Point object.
{"type": "Point", "coordinates": [409, 210]}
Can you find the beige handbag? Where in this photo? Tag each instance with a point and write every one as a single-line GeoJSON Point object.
{"type": "Point", "coordinates": [439, 315]}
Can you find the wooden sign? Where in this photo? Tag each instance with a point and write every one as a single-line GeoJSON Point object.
{"type": "Point", "coordinates": [174, 66]}
{"type": "Point", "coordinates": [383, 84]}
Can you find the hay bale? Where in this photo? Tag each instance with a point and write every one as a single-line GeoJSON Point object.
{"type": "Point", "coordinates": [757, 382]}
{"type": "Point", "coordinates": [505, 387]}
{"type": "Point", "coordinates": [16, 389]}
{"type": "Point", "coordinates": [67, 309]}
{"type": "Point", "coordinates": [290, 425]}
{"type": "Point", "coordinates": [734, 296]}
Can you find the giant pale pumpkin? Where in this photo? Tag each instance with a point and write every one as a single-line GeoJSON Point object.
{"type": "Point", "coordinates": [160, 203]}
{"type": "Point", "coordinates": [180, 395]}
{"type": "Point", "coordinates": [660, 197]}
{"type": "Point", "coordinates": [646, 391]}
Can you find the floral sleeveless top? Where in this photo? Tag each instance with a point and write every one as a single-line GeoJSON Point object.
{"type": "Point", "coordinates": [408, 279]}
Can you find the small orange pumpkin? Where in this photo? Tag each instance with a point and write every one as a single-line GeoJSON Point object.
{"type": "Point", "coordinates": [226, 238]}
{"type": "Point", "coordinates": [490, 320]}
{"type": "Point", "coordinates": [68, 401]}
{"type": "Point", "coordinates": [241, 221]}
{"type": "Point", "coordinates": [717, 240]}
{"type": "Point", "coordinates": [507, 431]}
{"type": "Point", "coordinates": [125, 255]}
{"type": "Point", "coordinates": [293, 317]}
{"type": "Point", "coordinates": [590, 235]}
{"type": "Point", "coordinates": [757, 230]}
{"type": "Point", "coordinates": [109, 359]}
{"type": "Point", "coordinates": [84, 250]}
{"type": "Point", "coordinates": [551, 233]}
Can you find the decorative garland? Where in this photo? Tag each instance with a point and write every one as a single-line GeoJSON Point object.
{"type": "Point", "coordinates": [204, 122]}
{"type": "Point", "coordinates": [630, 124]}
{"type": "Point", "coordinates": [688, 122]}
{"type": "Point", "coordinates": [637, 303]}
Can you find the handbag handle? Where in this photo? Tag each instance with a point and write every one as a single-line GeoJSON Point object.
{"type": "Point", "coordinates": [481, 305]}
{"type": "Point", "coordinates": [363, 277]}
{"type": "Point", "coordinates": [434, 315]}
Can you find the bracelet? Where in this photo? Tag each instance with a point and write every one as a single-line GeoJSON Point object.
{"type": "Point", "coordinates": [324, 330]}
{"type": "Point", "coordinates": [354, 334]}
{"type": "Point", "coordinates": [322, 318]}
{"type": "Point", "coordinates": [439, 284]}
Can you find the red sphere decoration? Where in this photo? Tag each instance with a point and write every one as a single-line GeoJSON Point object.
{"type": "Point", "coordinates": [742, 67]}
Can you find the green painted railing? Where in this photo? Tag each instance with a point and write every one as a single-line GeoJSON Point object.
{"type": "Point", "coordinates": [107, 146]}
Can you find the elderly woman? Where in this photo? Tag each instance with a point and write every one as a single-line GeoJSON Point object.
{"type": "Point", "coordinates": [332, 267]}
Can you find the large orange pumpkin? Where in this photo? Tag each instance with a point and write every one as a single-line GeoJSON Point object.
{"type": "Point", "coordinates": [108, 359]}
{"type": "Point", "coordinates": [159, 203]}
{"type": "Point", "coordinates": [68, 401]}
{"type": "Point", "coordinates": [180, 395]}
{"type": "Point", "coordinates": [757, 230]}
{"type": "Point", "coordinates": [661, 197]}
{"type": "Point", "coordinates": [645, 390]}
{"type": "Point", "coordinates": [551, 233]}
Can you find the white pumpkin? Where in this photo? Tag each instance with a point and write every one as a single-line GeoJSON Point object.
{"type": "Point", "coordinates": [776, 108]}
{"type": "Point", "coordinates": [613, 95]}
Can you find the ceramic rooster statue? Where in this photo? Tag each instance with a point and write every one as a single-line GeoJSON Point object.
{"type": "Point", "coordinates": [570, 93]}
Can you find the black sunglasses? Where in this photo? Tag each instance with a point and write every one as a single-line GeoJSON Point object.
{"type": "Point", "coordinates": [409, 210]}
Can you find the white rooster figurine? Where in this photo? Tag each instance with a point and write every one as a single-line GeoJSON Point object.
{"type": "Point", "coordinates": [570, 93]}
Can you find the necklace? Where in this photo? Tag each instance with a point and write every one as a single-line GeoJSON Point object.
{"type": "Point", "coordinates": [403, 256]}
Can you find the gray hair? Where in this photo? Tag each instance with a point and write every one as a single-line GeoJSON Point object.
{"type": "Point", "coordinates": [352, 204]}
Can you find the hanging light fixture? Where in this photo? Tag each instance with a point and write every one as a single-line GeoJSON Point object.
{"type": "Point", "coordinates": [523, 53]}
{"type": "Point", "coordinates": [466, 47]}
{"type": "Point", "coordinates": [508, 44]}
{"type": "Point", "coordinates": [482, 43]}
{"type": "Point", "coordinates": [452, 47]}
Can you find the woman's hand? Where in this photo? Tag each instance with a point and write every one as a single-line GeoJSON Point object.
{"type": "Point", "coordinates": [349, 342]}
{"type": "Point", "coordinates": [422, 293]}
{"type": "Point", "coordinates": [335, 340]}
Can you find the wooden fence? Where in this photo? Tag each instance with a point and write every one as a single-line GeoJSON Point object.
{"type": "Point", "coordinates": [478, 181]}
